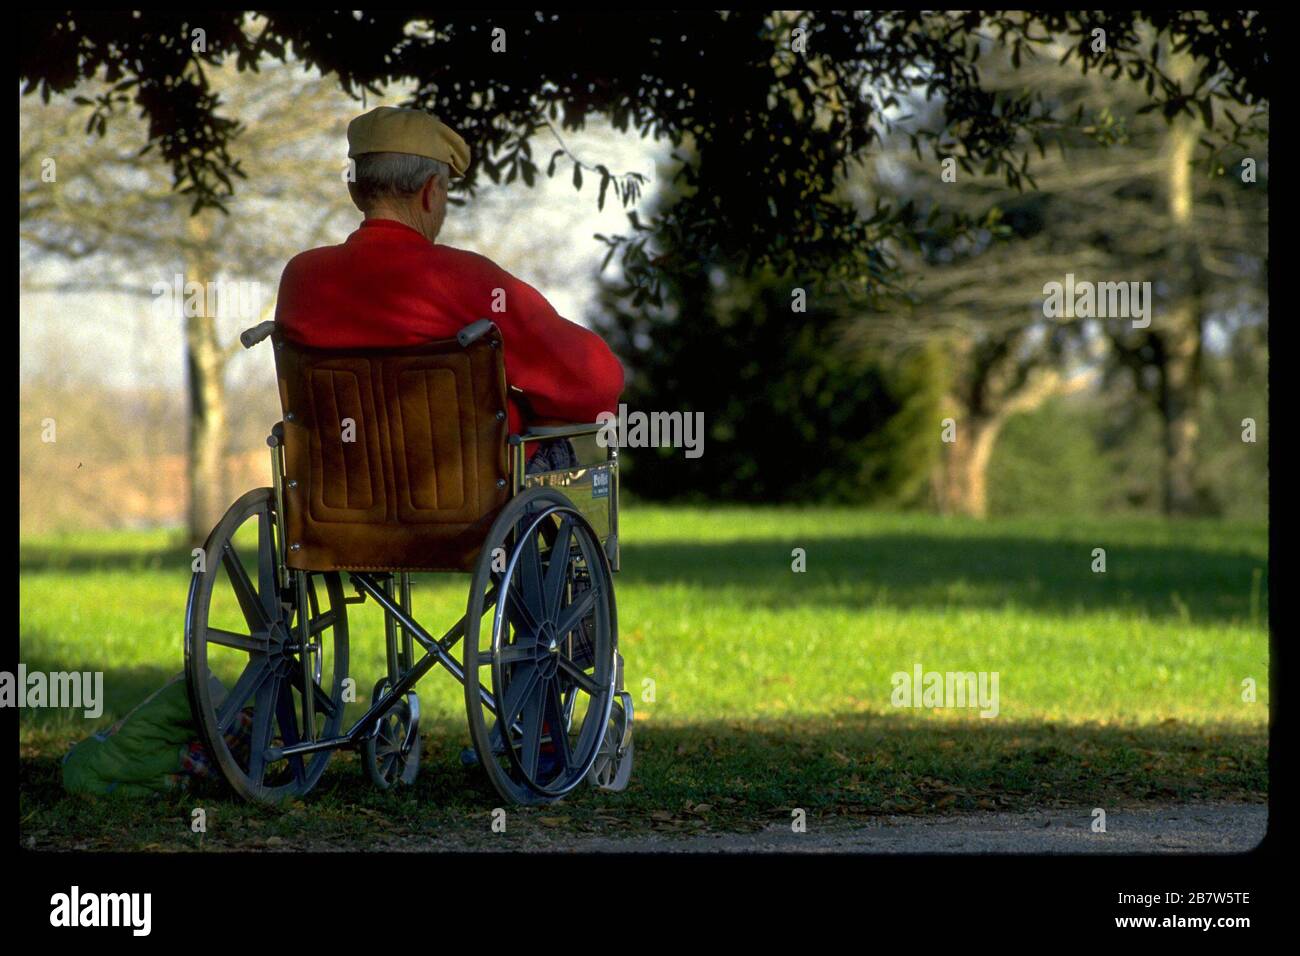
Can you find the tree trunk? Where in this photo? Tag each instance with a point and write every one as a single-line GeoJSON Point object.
{"type": "Point", "coordinates": [205, 368]}
{"type": "Point", "coordinates": [1179, 388]}
{"type": "Point", "coordinates": [963, 476]}
{"type": "Point", "coordinates": [1181, 333]}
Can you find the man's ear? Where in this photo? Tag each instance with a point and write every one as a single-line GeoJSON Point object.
{"type": "Point", "coordinates": [426, 194]}
{"type": "Point", "coordinates": [352, 192]}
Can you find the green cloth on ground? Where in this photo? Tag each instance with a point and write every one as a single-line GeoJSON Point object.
{"type": "Point", "coordinates": [139, 755]}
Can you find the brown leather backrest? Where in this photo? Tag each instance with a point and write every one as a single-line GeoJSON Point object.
{"type": "Point", "coordinates": [395, 459]}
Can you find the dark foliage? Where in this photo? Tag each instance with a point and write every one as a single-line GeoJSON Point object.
{"type": "Point", "coordinates": [792, 412]}
{"type": "Point", "coordinates": [770, 128]}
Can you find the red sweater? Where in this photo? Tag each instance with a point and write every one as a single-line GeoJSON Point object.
{"type": "Point", "coordinates": [387, 285]}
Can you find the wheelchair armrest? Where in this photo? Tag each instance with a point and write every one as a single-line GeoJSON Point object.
{"type": "Point", "coordinates": [542, 432]}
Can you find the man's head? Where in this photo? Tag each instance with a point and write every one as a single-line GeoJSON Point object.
{"type": "Point", "coordinates": [404, 163]}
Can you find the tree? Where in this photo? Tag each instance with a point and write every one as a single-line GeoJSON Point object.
{"type": "Point", "coordinates": [1113, 201]}
{"type": "Point", "coordinates": [790, 411]}
{"type": "Point", "coordinates": [1210, 253]}
{"type": "Point", "coordinates": [109, 211]}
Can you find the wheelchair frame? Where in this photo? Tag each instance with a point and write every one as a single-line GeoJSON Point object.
{"type": "Point", "coordinates": [396, 612]}
{"type": "Point", "coordinates": [610, 760]}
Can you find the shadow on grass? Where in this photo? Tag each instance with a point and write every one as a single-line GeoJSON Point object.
{"type": "Point", "coordinates": [933, 572]}
{"type": "Point", "coordinates": [52, 559]}
{"type": "Point", "coordinates": [733, 776]}
{"type": "Point", "coordinates": [123, 688]}
{"type": "Point", "coordinates": [892, 570]}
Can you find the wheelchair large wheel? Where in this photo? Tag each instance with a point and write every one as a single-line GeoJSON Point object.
{"type": "Point", "coordinates": [541, 576]}
{"type": "Point", "coordinates": [243, 665]}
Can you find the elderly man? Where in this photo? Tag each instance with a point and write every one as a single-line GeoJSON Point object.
{"type": "Point", "coordinates": [391, 284]}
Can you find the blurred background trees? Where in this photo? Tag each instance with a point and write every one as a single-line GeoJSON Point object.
{"type": "Point", "coordinates": [1124, 199]}
{"type": "Point", "coordinates": [115, 214]}
{"type": "Point", "coordinates": [1084, 414]}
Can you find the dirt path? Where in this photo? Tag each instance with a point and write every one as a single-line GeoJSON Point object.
{"type": "Point", "coordinates": [1200, 828]}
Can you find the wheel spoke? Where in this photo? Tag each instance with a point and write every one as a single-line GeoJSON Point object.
{"type": "Point", "coordinates": [531, 745]}
{"type": "Point", "coordinates": [555, 717]}
{"type": "Point", "coordinates": [579, 676]}
{"type": "Point", "coordinates": [254, 614]}
{"type": "Point", "coordinates": [518, 651]}
{"type": "Point", "coordinates": [556, 570]}
{"type": "Point", "coordinates": [530, 577]}
{"type": "Point", "coordinates": [324, 703]}
{"type": "Point", "coordinates": [253, 643]}
{"type": "Point", "coordinates": [255, 672]}
{"type": "Point", "coordinates": [263, 718]}
{"type": "Point", "coordinates": [523, 678]}
{"type": "Point", "coordinates": [575, 612]}
{"type": "Point", "coordinates": [518, 613]}
{"type": "Point", "coordinates": [322, 623]}
{"type": "Point", "coordinates": [287, 719]}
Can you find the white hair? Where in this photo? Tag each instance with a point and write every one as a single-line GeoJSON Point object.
{"type": "Point", "coordinates": [395, 175]}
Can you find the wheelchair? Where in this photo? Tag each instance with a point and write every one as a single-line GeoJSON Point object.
{"type": "Point", "coordinates": [389, 463]}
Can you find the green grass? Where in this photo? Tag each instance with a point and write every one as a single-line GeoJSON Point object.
{"type": "Point", "coordinates": [771, 689]}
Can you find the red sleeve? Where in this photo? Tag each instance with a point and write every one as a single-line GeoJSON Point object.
{"type": "Point", "coordinates": [566, 372]}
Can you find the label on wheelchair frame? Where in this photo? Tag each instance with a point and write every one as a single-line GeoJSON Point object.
{"type": "Point", "coordinates": [590, 489]}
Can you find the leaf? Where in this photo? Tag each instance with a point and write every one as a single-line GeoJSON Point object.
{"type": "Point", "coordinates": [577, 176]}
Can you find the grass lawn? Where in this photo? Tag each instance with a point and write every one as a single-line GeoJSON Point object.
{"type": "Point", "coordinates": [770, 689]}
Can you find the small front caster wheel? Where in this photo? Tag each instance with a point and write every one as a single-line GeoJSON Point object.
{"type": "Point", "coordinates": [392, 753]}
{"type": "Point", "coordinates": [613, 767]}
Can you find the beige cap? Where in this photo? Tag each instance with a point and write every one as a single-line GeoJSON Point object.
{"type": "Point", "coordinates": [390, 129]}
